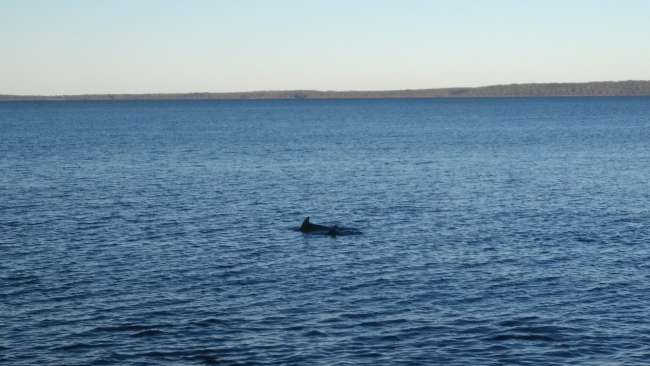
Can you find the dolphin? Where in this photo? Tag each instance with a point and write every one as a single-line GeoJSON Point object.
{"type": "Point", "coordinates": [308, 228]}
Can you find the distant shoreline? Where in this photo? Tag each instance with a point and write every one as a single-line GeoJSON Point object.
{"type": "Point", "coordinates": [629, 88]}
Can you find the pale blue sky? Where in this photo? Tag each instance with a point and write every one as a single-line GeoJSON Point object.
{"type": "Point", "coordinates": [101, 46]}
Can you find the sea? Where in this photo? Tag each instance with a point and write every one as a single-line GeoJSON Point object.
{"type": "Point", "coordinates": [496, 231]}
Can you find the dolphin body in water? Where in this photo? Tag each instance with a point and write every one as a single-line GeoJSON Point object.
{"type": "Point", "coordinates": [308, 228]}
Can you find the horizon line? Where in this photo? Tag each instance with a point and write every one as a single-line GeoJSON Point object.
{"type": "Point", "coordinates": [318, 91]}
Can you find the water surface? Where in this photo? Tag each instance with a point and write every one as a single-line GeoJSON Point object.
{"type": "Point", "coordinates": [495, 231]}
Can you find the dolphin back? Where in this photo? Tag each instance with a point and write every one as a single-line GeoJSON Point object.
{"type": "Point", "coordinates": [309, 228]}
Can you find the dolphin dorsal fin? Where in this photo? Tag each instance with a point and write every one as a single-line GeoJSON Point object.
{"type": "Point", "coordinates": [305, 224]}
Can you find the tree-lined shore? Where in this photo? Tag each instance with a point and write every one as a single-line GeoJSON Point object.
{"type": "Point", "coordinates": [590, 89]}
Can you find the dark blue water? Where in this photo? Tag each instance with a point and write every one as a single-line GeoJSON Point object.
{"type": "Point", "coordinates": [495, 231]}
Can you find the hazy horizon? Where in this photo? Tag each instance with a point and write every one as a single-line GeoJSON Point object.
{"type": "Point", "coordinates": [330, 90]}
{"type": "Point", "coordinates": [118, 47]}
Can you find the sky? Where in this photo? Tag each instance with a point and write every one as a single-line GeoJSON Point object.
{"type": "Point", "coordinates": [164, 46]}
